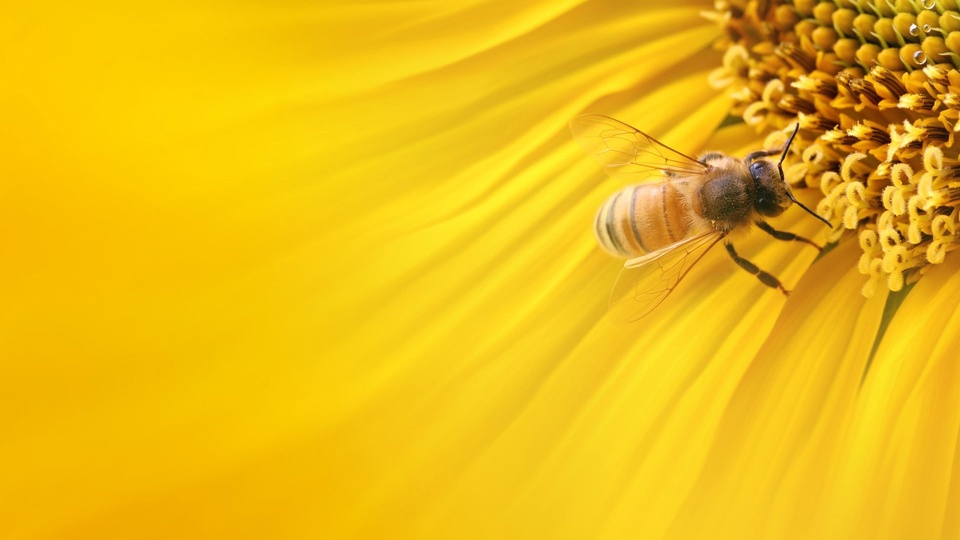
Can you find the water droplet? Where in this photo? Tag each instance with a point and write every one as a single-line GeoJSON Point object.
{"type": "Point", "coordinates": [928, 4]}
{"type": "Point", "coordinates": [914, 30]}
{"type": "Point", "coordinates": [926, 29]}
{"type": "Point", "coordinates": [919, 58]}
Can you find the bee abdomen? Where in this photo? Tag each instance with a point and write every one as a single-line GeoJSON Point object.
{"type": "Point", "coordinates": [642, 219]}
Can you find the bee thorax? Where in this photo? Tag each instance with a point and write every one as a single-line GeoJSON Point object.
{"type": "Point", "coordinates": [727, 201]}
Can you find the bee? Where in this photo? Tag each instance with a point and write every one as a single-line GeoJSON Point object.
{"type": "Point", "coordinates": [664, 228]}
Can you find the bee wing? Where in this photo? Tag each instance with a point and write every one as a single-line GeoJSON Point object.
{"type": "Point", "coordinates": [623, 149]}
{"type": "Point", "coordinates": [646, 281]}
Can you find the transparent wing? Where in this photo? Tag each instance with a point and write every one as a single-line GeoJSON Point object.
{"type": "Point", "coordinates": [646, 281]}
{"type": "Point", "coordinates": [623, 149]}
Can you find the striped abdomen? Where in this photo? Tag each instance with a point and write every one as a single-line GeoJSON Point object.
{"type": "Point", "coordinates": [642, 219]}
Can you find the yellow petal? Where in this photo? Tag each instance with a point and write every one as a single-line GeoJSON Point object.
{"type": "Point", "coordinates": [902, 446]}
{"type": "Point", "coordinates": [786, 410]}
{"type": "Point", "coordinates": [253, 255]}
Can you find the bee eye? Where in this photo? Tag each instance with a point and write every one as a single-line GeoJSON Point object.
{"type": "Point", "coordinates": [756, 168]}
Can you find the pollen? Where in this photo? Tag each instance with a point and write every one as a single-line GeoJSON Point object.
{"type": "Point", "coordinates": [875, 87]}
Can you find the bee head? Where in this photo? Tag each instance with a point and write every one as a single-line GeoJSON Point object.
{"type": "Point", "coordinates": [773, 194]}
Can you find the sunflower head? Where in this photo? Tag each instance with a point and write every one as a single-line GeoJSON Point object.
{"type": "Point", "coordinates": [875, 89]}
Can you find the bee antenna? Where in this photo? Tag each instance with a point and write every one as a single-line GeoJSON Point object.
{"type": "Point", "coordinates": [784, 178]}
{"type": "Point", "coordinates": [809, 211]}
{"type": "Point", "coordinates": [787, 147]}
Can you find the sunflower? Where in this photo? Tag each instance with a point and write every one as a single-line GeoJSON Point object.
{"type": "Point", "coordinates": [327, 271]}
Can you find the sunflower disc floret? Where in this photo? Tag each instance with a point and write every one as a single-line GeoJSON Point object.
{"type": "Point", "coordinates": [875, 87]}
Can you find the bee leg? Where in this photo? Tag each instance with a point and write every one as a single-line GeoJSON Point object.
{"type": "Point", "coordinates": [786, 235]}
{"type": "Point", "coordinates": [711, 156]}
{"type": "Point", "coordinates": [766, 278]}
{"type": "Point", "coordinates": [753, 156]}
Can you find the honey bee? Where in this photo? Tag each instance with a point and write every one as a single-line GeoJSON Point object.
{"type": "Point", "coordinates": [664, 228]}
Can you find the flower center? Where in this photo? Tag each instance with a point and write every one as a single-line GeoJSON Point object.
{"type": "Point", "coordinates": [875, 87]}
